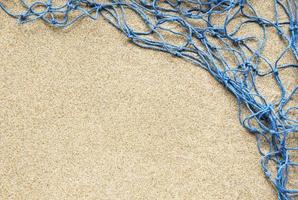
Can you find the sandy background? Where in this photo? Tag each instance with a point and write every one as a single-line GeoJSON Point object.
{"type": "Point", "coordinates": [84, 114]}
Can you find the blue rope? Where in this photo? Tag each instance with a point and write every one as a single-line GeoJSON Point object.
{"type": "Point", "coordinates": [272, 122]}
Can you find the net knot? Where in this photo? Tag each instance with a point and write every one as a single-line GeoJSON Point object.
{"type": "Point", "coordinates": [91, 4]}
{"type": "Point", "coordinates": [241, 3]}
{"type": "Point", "coordinates": [72, 6]}
{"type": "Point", "coordinates": [275, 72]}
{"type": "Point", "coordinates": [177, 53]}
{"type": "Point", "coordinates": [23, 18]}
{"type": "Point", "coordinates": [237, 41]}
{"type": "Point", "coordinates": [54, 21]}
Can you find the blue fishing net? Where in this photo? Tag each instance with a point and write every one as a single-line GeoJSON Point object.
{"type": "Point", "coordinates": [230, 39]}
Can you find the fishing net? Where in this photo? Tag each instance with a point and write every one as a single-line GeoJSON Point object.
{"type": "Point", "coordinates": [253, 54]}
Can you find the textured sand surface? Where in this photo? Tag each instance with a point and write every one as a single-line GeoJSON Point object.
{"type": "Point", "coordinates": [87, 115]}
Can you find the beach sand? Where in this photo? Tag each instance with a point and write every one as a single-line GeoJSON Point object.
{"type": "Point", "coordinates": [85, 114]}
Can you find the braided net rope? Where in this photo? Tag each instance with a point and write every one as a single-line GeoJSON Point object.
{"type": "Point", "coordinates": [229, 39]}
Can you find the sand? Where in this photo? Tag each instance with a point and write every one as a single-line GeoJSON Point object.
{"type": "Point", "coordinates": [87, 115]}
